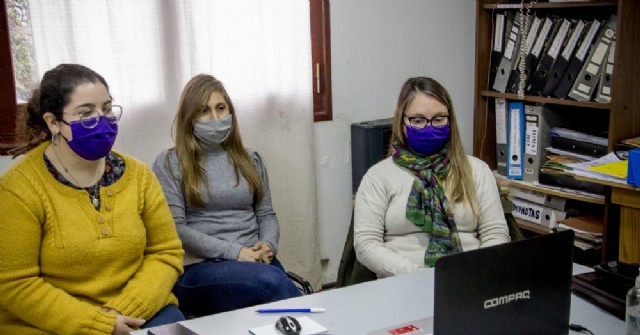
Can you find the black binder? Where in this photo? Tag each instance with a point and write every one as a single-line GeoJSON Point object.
{"type": "Point", "coordinates": [534, 55]}
{"type": "Point", "coordinates": [559, 179]}
{"type": "Point", "coordinates": [514, 76]}
{"type": "Point", "coordinates": [578, 59]}
{"type": "Point", "coordinates": [578, 147]}
{"type": "Point", "coordinates": [539, 77]}
{"type": "Point", "coordinates": [558, 69]}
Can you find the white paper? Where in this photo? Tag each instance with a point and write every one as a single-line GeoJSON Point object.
{"type": "Point", "coordinates": [582, 169]}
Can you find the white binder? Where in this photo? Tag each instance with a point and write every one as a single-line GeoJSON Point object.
{"type": "Point", "coordinates": [539, 198]}
{"type": "Point", "coordinates": [501, 135]}
{"type": "Point", "coordinates": [542, 215]}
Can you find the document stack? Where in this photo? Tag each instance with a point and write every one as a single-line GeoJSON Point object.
{"type": "Point", "coordinates": [609, 168]}
{"type": "Point", "coordinates": [588, 231]}
{"type": "Point", "coordinates": [570, 147]}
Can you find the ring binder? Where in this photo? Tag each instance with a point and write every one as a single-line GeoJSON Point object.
{"type": "Point", "coordinates": [507, 62]}
{"type": "Point", "coordinates": [537, 119]}
{"type": "Point", "coordinates": [604, 87]}
{"type": "Point", "coordinates": [584, 86]}
{"type": "Point", "coordinates": [549, 58]}
{"type": "Point", "coordinates": [557, 70]}
{"type": "Point", "coordinates": [512, 84]}
{"type": "Point", "coordinates": [515, 143]}
{"type": "Point", "coordinates": [501, 135]}
{"type": "Point", "coordinates": [498, 45]}
{"type": "Point", "coordinates": [577, 61]}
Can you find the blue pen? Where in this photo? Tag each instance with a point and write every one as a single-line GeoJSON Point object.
{"type": "Point", "coordinates": [292, 310]}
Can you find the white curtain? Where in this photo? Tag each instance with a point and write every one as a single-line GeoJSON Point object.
{"type": "Point", "coordinates": [148, 49]}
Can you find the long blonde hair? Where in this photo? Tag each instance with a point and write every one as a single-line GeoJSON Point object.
{"type": "Point", "coordinates": [190, 151]}
{"type": "Point", "coordinates": [460, 179]}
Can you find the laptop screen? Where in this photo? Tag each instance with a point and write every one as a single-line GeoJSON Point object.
{"type": "Point", "coordinates": [522, 287]}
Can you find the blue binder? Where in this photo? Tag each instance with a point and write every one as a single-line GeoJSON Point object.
{"type": "Point", "coordinates": [515, 142]}
{"type": "Point", "coordinates": [633, 175]}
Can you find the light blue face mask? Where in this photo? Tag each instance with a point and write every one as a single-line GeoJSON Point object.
{"type": "Point", "coordinates": [212, 131]}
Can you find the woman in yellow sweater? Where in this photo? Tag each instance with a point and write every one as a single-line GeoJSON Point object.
{"type": "Point", "coordinates": [87, 242]}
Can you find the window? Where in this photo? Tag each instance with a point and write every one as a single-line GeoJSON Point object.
{"type": "Point", "coordinates": [16, 62]}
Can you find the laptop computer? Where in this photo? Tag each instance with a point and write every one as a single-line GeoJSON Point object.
{"type": "Point", "coordinates": [522, 287]}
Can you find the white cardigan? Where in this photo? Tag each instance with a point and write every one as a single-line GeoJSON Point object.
{"type": "Point", "coordinates": [389, 244]}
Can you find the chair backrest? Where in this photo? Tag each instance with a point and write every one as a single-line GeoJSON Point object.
{"type": "Point", "coordinates": [351, 271]}
{"type": "Point", "coordinates": [514, 230]}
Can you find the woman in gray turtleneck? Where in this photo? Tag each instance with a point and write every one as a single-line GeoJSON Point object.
{"type": "Point", "coordinates": [218, 193]}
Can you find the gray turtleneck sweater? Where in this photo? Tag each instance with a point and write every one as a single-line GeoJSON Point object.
{"type": "Point", "coordinates": [230, 221]}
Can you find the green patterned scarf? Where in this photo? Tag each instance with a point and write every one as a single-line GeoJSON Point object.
{"type": "Point", "coordinates": [428, 206]}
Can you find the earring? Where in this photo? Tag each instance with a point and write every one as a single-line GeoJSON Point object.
{"type": "Point", "coordinates": [55, 139]}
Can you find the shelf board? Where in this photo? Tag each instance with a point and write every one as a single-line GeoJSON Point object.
{"type": "Point", "coordinates": [557, 193]}
{"type": "Point", "coordinates": [554, 5]}
{"type": "Point", "coordinates": [608, 183]}
{"type": "Point", "coordinates": [545, 100]}
{"type": "Point", "coordinates": [533, 227]}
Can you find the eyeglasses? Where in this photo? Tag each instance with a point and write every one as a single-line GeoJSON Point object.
{"type": "Point", "coordinates": [419, 122]}
{"type": "Point", "coordinates": [90, 119]}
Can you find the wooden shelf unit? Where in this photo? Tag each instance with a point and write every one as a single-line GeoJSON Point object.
{"type": "Point", "coordinates": [623, 110]}
{"type": "Point", "coordinates": [557, 193]}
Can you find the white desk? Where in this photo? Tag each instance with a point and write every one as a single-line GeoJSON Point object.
{"type": "Point", "coordinates": [358, 309]}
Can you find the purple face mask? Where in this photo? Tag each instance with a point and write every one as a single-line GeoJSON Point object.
{"type": "Point", "coordinates": [428, 140]}
{"type": "Point", "coordinates": [95, 143]}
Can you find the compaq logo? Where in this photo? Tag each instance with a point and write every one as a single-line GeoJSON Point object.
{"type": "Point", "coordinates": [505, 299]}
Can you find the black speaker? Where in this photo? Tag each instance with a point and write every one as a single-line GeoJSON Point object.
{"type": "Point", "coordinates": [369, 145]}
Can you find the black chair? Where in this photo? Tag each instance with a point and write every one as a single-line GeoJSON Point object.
{"type": "Point", "coordinates": [514, 230]}
{"type": "Point", "coordinates": [303, 285]}
{"type": "Point", "coordinates": [351, 271]}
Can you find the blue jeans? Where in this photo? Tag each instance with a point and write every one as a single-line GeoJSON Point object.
{"type": "Point", "coordinates": [169, 314]}
{"type": "Point", "coordinates": [218, 285]}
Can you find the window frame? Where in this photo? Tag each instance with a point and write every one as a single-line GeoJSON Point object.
{"type": "Point", "coordinates": [9, 137]}
{"type": "Point", "coordinates": [321, 60]}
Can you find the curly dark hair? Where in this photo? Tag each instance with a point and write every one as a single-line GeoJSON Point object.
{"type": "Point", "coordinates": [52, 96]}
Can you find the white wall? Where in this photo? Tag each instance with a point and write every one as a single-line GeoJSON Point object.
{"type": "Point", "coordinates": [5, 163]}
{"type": "Point", "coordinates": [375, 46]}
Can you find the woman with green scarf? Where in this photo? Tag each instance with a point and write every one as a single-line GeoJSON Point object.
{"type": "Point", "coordinates": [428, 198]}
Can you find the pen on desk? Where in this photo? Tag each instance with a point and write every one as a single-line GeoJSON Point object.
{"type": "Point", "coordinates": [292, 310]}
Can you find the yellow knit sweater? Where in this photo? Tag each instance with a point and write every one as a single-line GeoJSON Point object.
{"type": "Point", "coordinates": [61, 260]}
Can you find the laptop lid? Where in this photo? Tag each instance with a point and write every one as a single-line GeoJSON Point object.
{"type": "Point", "coordinates": [522, 287]}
